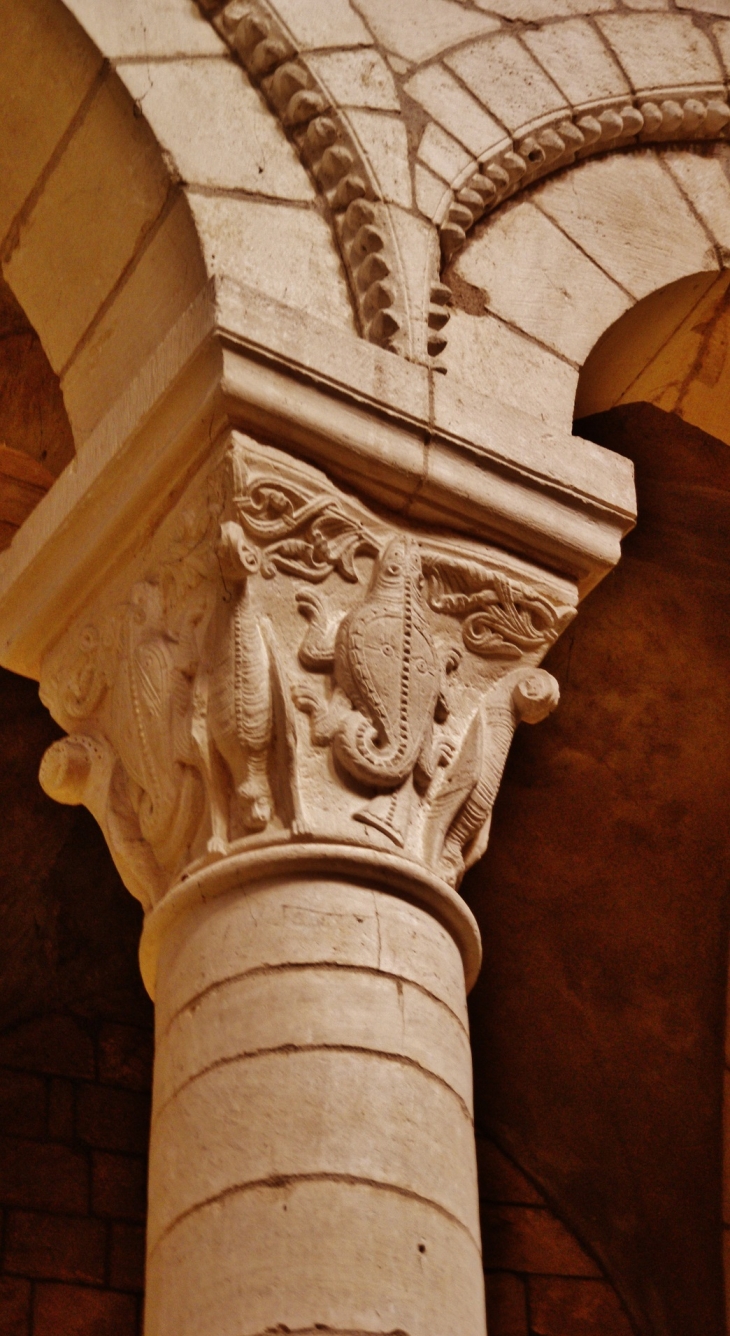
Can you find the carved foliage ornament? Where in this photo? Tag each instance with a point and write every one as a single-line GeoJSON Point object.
{"type": "Point", "coordinates": [290, 667]}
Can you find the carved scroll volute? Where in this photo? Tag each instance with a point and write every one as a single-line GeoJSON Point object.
{"type": "Point", "coordinates": [293, 668]}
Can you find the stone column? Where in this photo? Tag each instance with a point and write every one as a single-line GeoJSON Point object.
{"type": "Point", "coordinates": [290, 716]}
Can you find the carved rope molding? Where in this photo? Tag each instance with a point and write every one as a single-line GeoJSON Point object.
{"type": "Point", "coordinates": [359, 218]}
{"type": "Point", "coordinates": [563, 141]}
{"type": "Point", "coordinates": [289, 668]}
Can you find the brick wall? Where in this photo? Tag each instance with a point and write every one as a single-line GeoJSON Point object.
{"type": "Point", "coordinates": [539, 1280]}
{"type": "Point", "coordinates": [74, 1122]}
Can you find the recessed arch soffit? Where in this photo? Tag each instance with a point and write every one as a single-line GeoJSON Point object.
{"type": "Point", "coordinates": [419, 119]}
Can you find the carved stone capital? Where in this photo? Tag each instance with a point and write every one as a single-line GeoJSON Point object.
{"type": "Point", "coordinates": [284, 667]}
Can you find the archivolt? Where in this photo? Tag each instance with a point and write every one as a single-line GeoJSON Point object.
{"type": "Point", "coordinates": [359, 218]}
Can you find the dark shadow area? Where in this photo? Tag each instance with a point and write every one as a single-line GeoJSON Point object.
{"type": "Point", "coordinates": [598, 1020]}
{"type": "Point", "coordinates": [75, 1056]}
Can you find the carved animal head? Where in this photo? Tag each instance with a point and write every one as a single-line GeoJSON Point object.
{"type": "Point", "coordinates": [236, 559]}
{"type": "Point", "coordinates": [399, 564]}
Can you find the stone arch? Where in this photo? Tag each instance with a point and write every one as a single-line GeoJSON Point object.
{"type": "Point", "coordinates": [121, 228]}
{"type": "Point", "coordinates": [537, 287]}
{"type": "Point", "coordinates": [432, 121]}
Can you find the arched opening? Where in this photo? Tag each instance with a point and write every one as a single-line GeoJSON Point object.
{"type": "Point", "coordinates": [603, 897]}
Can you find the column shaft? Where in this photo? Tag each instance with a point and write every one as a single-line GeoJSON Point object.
{"type": "Point", "coordinates": [312, 1156]}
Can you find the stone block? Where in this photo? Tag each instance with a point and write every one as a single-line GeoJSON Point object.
{"type": "Point", "coordinates": [418, 29]}
{"type": "Point", "coordinates": [61, 1110]}
{"type": "Point", "coordinates": [127, 1257]}
{"type": "Point", "coordinates": [167, 28]}
{"type": "Point", "coordinates": [418, 250]}
{"type": "Point", "coordinates": [431, 193]}
{"type": "Point", "coordinates": [506, 1305]}
{"type": "Point", "coordinates": [507, 80]}
{"type": "Point", "coordinates": [661, 50]}
{"type": "Point", "coordinates": [629, 216]}
{"type": "Point", "coordinates": [132, 328]}
{"type": "Point", "coordinates": [577, 60]}
{"type": "Point", "coordinates": [705, 181]}
{"type": "Point", "coordinates": [288, 253]}
{"type": "Point", "coordinates": [55, 1247]}
{"type": "Point", "coordinates": [216, 127]}
{"type": "Point", "coordinates": [384, 141]}
{"type": "Point", "coordinates": [111, 1119]}
{"type": "Point", "coordinates": [313, 26]}
{"type": "Point", "coordinates": [22, 1104]}
{"type": "Point", "coordinates": [229, 938]}
{"type": "Point", "coordinates": [721, 34]}
{"type": "Point", "coordinates": [571, 1307]}
{"type": "Point", "coordinates": [442, 154]}
{"type": "Point", "coordinates": [57, 1045]}
{"type": "Point", "coordinates": [312, 1113]}
{"type": "Point", "coordinates": [102, 196]}
{"type": "Point", "coordinates": [356, 78]}
{"type": "Point", "coordinates": [305, 1007]}
{"type": "Point", "coordinates": [438, 92]}
{"type": "Point", "coordinates": [77, 1311]}
{"type": "Point", "coordinates": [118, 1186]}
{"type": "Point", "coordinates": [538, 11]}
{"type": "Point", "coordinates": [125, 1056]}
{"type": "Point", "coordinates": [345, 1254]}
{"type": "Point", "coordinates": [42, 1177]}
{"type": "Point", "coordinates": [15, 1301]}
{"type": "Point", "coordinates": [50, 64]}
{"type": "Point", "coordinates": [493, 358]}
{"type": "Point", "coordinates": [531, 1239]}
{"type": "Point", "coordinates": [538, 280]}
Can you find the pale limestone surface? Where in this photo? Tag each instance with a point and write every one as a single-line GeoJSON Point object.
{"type": "Point", "coordinates": [77, 228]}
{"type": "Point", "coordinates": [706, 184]}
{"type": "Point", "coordinates": [665, 241]}
{"type": "Point", "coordinates": [168, 274]}
{"type": "Point", "coordinates": [332, 1105]}
{"type": "Point", "coordinates": [385, 141]}
{"type": "Point", "coordinates": [431, 191]}
{"type": "Point", "coordinates": [659, 50]}
{"type": "Point", "coordinates": [284, 249]}
{"type": "Point", "coordinates": [357, 78]}
{"type": "Point", "coordinates": [545, 384]}
{"type": "Point", "coordinates": [439, 151]}
{"type": "Point", "coordinates": [419, 29]}
{"type": "Point", "coordinates": [235, 144]}
{"type": "Point", "coordinates": [721, 33]}
{"type": "Point", "coordinates": [534, 11]}
{"type": "Point", "coordinates": [444, 98]}
{"type": "Point", "coordinates": [537, 279]}
{"type": "Point", "coordinates": [316, 26]}
{"type": "Point", "coordinates": [576, 58]}
{"type": "Point", "coordinates": [504, 76]}
{"type": "Point", "coordinates": [138, 28]}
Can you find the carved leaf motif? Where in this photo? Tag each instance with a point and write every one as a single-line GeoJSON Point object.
{"type": "Point", "coordinates": [501, 617]}
{"type": "Point", "coordinates": [302, 535]}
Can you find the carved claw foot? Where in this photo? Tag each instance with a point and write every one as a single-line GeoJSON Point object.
{"type": "Point", "coordinates": [305, 698]}
{"type": "Point", "coordinates": [311, 606]}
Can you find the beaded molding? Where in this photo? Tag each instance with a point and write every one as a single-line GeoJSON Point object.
{"type": "Point", "coordinates": [490, 182]}
{"type": "Point", "coordinates": [359, 218]}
